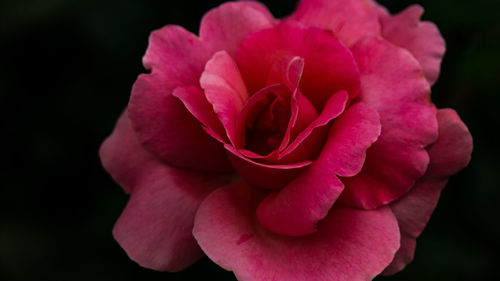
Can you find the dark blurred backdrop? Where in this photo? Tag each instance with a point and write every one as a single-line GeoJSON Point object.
{"type": "Point", "coordinates": [66, 69]}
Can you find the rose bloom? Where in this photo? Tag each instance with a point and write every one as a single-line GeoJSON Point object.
{"type": "Point", "coordinates": [303, 148]}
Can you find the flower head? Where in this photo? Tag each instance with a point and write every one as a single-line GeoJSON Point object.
{"type": "Point", "coordinates": [305, 148]}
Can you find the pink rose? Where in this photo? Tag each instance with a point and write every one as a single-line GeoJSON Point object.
{"type": "Point", "coordinates": [305, 148]}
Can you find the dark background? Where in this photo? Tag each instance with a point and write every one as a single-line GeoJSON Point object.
{"type": "Point", "coordinates": [66, 69]}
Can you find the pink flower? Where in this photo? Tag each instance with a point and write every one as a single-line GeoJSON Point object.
{"type": "Point", "coordinates": [305, 148]}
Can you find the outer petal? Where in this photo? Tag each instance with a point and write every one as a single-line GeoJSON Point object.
{"type": "Point", "coordinates": [163, 124]}
{"type": "Point", "coordinates": [393, 84]}
{"type": "Point", "coordinates": [119, 147]}
{"type": "Point", "coordinates": [297, 208]}
{"type": "Point", "coordinates": [195, 101]}
{"type": "Point", "coordinates": [176, 58]}
{"type": "Point", "coordinates": [422, 39]}
{"type": "Point", "coordinates": [350, 245]}
{"type": "Point", "coordinates": [449, 154]}
{"type": "Point", "coordinates": [225, 27]}
{"type": "Point", "coordinates": [155, 227]}
{"type": "Point", "coordinates": [349, 20]}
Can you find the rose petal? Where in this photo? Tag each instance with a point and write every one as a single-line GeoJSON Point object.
{"type": "Point", "coordinates": [403, 256]}
{"type": "Point", "coordinates": [302, 114]}
{"type": "Point", "coordinates": [155, 227]}
{"type": "Point", "coordinates": [261, 174]}
{"type": "Point", "coordinates": [194, 100]}
{"type": "Point", "coordinates": [225, 27]}
{"type": "Point", "coordinates": [225, 90]}
{"type": "Point", "coordinates": [328, 65]}
{"type": "Point", "coordinates": [452, 151]}
{"type": "Point", "coordinates": [176, 58]}
{"type": "Point", "coordinates": [297, 208]}
{"type": "Point", "coordinates": [393, 84]}
{"type": "Point", "coordinates": [263, 118]}
{"type": "Point", "coordinates": [117, 151]}
{"type": "Point", "coordinates": [349, 20]}
{"type": "Point", "coordinates": [310, 141]}
{"type": "Point", "coordinates": [288, 71]}
{"type": "Point", "coordinates": [161, 121]}
{"type": "Point", "coordinates": [422, 39]}
{"type": "Point", "coordinates": [350, 245]}
{"type": "Point", "coordinates": [449, 154]}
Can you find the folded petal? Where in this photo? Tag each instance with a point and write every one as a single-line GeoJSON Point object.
{"type": "Point", "coordinates": [449, 154]}
{"type": "Point", "coordinates": [392, 84]}
{"type": "Point", "coordinates": [195, 101]}
{"type": "Point", "coordinates": [164, 126]}
{"type": "Point", "coordinates": [225, 90]}
{"type": "Point", "coordinates": [349, 20]}
{"type": "Point", "coordinates": [225, 27]}
{"type": "Point", "coordinates": [328, 65]}
{"type": "Point", "coordinates": [288, 71]}
{"type": "Point", "coordinates": [155, 227]}
{"type": "Point", "coordinates": [272, 176]}
{"type": "Point", "coordinates": [422, 39]}
{"type": "Point", "coordinates": [309, 141]}
{"type": "Point", "coordinates": [350, 245]}
{"type": "Point", "coordinates": [296, 209]}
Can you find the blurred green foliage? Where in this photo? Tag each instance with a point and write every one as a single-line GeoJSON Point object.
{"type": "Point", "coordinates": [66, 69]}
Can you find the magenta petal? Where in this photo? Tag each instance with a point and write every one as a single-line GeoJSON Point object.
{"type": "Point", "coordinates": [403, 256]}
{"type": "Point", "coordinates": [164, 126]}
{"type": "Point", "coordinates": [350, 245]}
{"type": "Point", "coordinates": [328, 65]}
{"type": "Point", "coordinates": [392, 84]}
{"type": "Point", "coordinates": [225, 27]}
{"type": "Point", "coordinates": [449, 154]}
{"type": "Point", "coordinates": [225, 90]}
{"type": "Point", "coordinates": [155, 227]}
{"type": "Point", "coordinates": [349, 20]}
{"type": "Point", "coordinates": [308, 143]}
{"type": "Point", "coordinates": [264, 175]}
{"type": "Point", "coordinates": [296, 209]}
{"type": "Point", "coordinates": [422, 39]}
{"type": "Point", "coordinates": [195, 101]}
{"type": "Point", "coordinates": [122, 156]}
{"type": "Point", "coordinates": [288, 71]}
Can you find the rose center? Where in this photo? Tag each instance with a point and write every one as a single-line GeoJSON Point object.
{"type": "Point", "coordinates": [264, 119]}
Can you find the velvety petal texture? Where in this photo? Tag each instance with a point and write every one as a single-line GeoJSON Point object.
{"type": "Point", "coordinates": [271, 176]}
{"type": "Point", "coordinates": [155, 227]}
{"type": "Point", "coordinates": [393, 84]}
{"type": "Point", "coordinates": [350, 245]}
{"type": "Point", "coordinates": [422, 39]}
{"type": "Point", "coordinates": [449, 154]}
{"type": "Point", "coordinates": [195, 101]}
{"type": "Point", "coordinates": [224, 27]}
{"type": "Point", "coordinates": [297, 208]}
{"type": "Point", "coordinates": [349, 20]}
{"type": "Point", "coordinates": [328, 65]}
{"type": "Point", "coordinates": [161, 121]}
